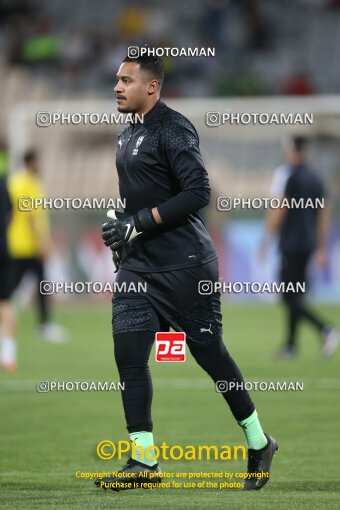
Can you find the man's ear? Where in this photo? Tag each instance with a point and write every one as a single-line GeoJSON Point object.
{"type": "Point", "coordinates": [152, 87]}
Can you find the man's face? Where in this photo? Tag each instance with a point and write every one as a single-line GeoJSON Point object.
{"type": "Point", "coordinates": [134, 88]}
{"type": "Point", "coordinates": [33, 166]}
{"type": "Point", "coordinates": [292, 156]}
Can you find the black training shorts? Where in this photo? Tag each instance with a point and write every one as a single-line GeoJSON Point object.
{"type": "Point", "coordinates": [170, 299]}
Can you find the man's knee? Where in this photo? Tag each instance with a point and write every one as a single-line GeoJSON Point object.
{"type": "Point", "coordinates": [202, 323]}
{"type": "Point", "coordinates": [132, 350]}
{"type": "Point", "coordinates": [208, 354]}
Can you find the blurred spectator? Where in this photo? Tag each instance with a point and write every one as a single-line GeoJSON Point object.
{"type": "Point", "coordinates": [240, 85]}
{"type": "Point", "coordinates": [334, 4]}
{"type": "Point", "coordinates": [77, 55]}
{"type": "Point", "coordinates": [112, 54]}
{"type": "Point", "coordinates": [213, 22]}
{"type": "Point", "coordinates": [258, 27]}
{"type": "Point", "coordinates": [299, 84]}
{"type": "Point", "coordinates": [11, 11]}
{"type": "Point", "coordinates": [131, 22]}
{"type": "Point", "coordinates": [43, 46]}
{"type": "Point", "coordinates": [157, 25]}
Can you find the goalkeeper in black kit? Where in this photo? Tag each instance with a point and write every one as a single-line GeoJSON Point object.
{"type": "Point", "coordinates": [161, 240]}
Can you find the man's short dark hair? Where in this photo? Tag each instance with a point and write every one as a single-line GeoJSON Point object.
{"type": "Point", "coordinates": [30, 156]}
{"type": "Point", "coordinates": [299, 143]}
{"type": "Point", "coordinates": [149, 64]}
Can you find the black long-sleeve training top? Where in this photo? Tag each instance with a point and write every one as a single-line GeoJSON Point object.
{"type": "Point", "coordinates": [159, 165]}
{"type": "Point", "coordinates": [298, 234]}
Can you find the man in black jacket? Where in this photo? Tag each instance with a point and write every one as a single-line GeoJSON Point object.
{"type": "Point", "coordinates": [161, 240]}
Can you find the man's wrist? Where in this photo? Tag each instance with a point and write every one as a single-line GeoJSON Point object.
{"type": "Point", "coordinates": [144, 220]}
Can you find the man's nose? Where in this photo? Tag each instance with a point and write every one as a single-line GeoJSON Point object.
{"type": "Point", "coordinates": [118, 87]}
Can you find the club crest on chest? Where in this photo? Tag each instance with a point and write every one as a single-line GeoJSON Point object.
{"type": "Point", "coordinates": [138, 143]}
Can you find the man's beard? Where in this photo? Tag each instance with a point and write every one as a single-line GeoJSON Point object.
{"type": "Point", "coordinates": [123, 109]}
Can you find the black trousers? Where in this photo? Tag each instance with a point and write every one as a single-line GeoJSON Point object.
{"type": "Point", "coordinates": [172, 300]}
{"type": "Point", "coordinates": [35, 266]}
{"type": "Point", "coordinates": [294, 270]}
{"type": "Point", "coordinates": [6, 276]}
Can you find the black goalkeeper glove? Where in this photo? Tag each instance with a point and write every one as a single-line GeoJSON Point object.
{"type": "Point", "coordinates": [119, 231]}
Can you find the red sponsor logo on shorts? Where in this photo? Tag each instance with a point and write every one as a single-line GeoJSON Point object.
{"type": "Point", "coordinates": [170, 346]}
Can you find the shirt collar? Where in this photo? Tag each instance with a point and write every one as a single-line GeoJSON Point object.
{"type": "Point", "coordinates": [149, 115]}
{"type": "Point", "coordinates": [154, 110]}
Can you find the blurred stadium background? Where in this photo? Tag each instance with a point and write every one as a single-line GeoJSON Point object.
{"type": "Point", "coordinates": [271, 56]}
{"type": "Point", "coordinates": [63, 57]}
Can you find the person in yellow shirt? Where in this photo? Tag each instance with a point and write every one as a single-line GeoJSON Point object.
{"type": "Point", "coordinates": [29, 237]}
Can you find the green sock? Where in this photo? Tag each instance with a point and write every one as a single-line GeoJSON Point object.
{"type": "Point", "coordinates": [253, 431]}
{"type": "Point", "coordinates": [145, 440]}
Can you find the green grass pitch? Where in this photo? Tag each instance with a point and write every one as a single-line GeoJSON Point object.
{"type": "Point", "coordinates": [46, 438]}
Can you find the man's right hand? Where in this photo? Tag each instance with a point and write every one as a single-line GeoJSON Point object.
{"type": "Point", "coordinates": [118, 231]}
